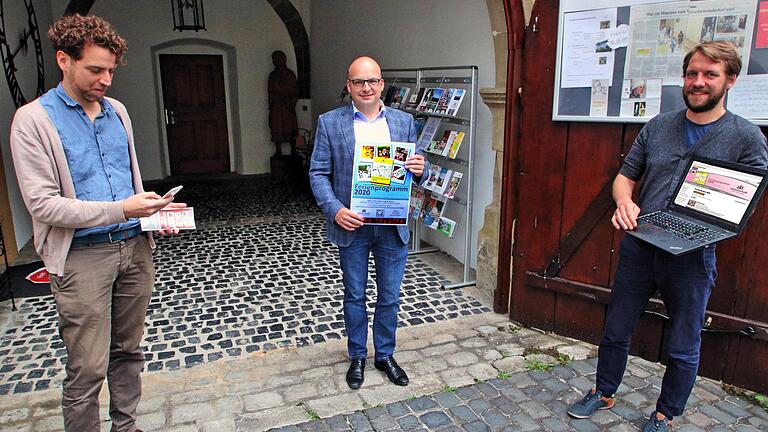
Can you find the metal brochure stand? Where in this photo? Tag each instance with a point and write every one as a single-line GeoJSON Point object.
{"type": "Point", "coordinates": [459, 77]}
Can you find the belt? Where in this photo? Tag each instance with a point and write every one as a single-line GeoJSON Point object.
{"type": "Point", "coordinates": [110, 237]}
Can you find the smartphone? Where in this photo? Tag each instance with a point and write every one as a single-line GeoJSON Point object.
{"type": "Point", "coordinates": [172, 192]}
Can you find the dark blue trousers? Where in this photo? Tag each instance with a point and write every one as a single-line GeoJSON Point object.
{"type": "Point", "coordinates": [685, 283]}
{"type": "Point", "coordinates": [390, 255]}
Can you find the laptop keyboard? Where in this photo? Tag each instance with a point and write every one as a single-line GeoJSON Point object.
{"type": "Point", "coordinates": [681, 227]}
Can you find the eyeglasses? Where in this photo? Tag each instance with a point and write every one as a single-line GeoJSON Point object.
{"type": "Point", "coordinates": [360, 83]}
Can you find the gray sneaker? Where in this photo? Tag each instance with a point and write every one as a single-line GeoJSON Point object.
{"type": "Point", "coordinates": [589, 404]}
{"type": "Point", "coordinates": [656, 425]}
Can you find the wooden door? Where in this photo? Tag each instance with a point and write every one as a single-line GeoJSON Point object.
{"type": "Point", "coordinates": [565, 251]}
{"type": "Point", "coordinates": [195, 113]}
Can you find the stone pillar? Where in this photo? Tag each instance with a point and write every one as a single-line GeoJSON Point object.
{"type": "Point", "coordinates": [488, 237]}
{"type": "Point", "coordinates": [495, 99]}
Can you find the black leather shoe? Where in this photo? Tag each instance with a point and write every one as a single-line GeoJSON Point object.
{"type": "Point", "coordinates": [356, 373]}
{"type": "Point", "coordinates": [395, 373]}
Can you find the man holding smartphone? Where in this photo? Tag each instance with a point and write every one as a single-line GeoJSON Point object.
{"type": "Point", "coordinates": [75, 160]}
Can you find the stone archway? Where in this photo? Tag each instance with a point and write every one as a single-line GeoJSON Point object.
{"type": "Point", "coordinates": [490, 235]}
{"type": "Point", "coordinates": [287, 13]}
{"type": "Point", "coordinates": [293, 22]}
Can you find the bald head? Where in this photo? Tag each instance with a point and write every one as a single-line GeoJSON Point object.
{"type": "Point", "coordinates": [363, 64]}
{"type": "Point", "coordinates": [364, 84]}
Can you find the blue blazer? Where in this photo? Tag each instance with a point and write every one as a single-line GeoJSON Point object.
{"type": "Point", "coordinates": [330, 172]}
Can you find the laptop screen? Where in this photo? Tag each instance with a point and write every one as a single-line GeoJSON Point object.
{"type": "Point", "coordinates": [718, 192]}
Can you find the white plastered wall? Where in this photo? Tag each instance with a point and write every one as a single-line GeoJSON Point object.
{"type": "Point", "coordinates": [14, 15]}
{"type": "Point", "coordinates": [408, 34]}
{"type": "Point", "coordinates": [251, 27]}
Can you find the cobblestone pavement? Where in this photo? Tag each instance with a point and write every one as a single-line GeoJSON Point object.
{"type": "Point", "coordinates": [474, 373]}
{"type": "Point", "coordinates": [257, 275]}
{"type": "Point", "coordinates": [470, 369]}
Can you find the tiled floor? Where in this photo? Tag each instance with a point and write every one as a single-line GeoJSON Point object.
{"type": "Point", "coordinates": [256, 275]}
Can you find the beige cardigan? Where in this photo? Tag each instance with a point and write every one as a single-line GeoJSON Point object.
{"type": "Point", "coordinates": [47, 188]}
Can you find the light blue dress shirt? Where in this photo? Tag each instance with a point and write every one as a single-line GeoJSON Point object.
{"type": "Point", "coordinates": [97, 153]}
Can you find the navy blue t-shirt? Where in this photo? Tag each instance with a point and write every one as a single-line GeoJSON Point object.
{"type": "Point", "coordinates": [694, 131]}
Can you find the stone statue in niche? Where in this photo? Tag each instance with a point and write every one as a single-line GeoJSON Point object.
{"type": "Point", "coordinates": [283, 90]}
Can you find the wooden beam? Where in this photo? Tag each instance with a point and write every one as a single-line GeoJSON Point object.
{"type": "Point", "coordinates": [515, 16]}
{"type": "Point", "coordinates": [716, 321]}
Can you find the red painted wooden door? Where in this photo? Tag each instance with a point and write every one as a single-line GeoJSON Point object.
{"type": "Point", "coordinates": [563, 167]}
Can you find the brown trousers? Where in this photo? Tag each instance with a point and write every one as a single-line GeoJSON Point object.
{"type": "Point", "coordinates": [102, 302]}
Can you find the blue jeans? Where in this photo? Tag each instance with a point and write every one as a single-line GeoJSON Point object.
{"type": "Point", "coordinates": [389, 255]}
{"type": "Point", "coordinates": [685, 283]}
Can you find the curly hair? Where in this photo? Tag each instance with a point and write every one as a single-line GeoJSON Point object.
{"type": "Point", "coordinates": [71, 33]}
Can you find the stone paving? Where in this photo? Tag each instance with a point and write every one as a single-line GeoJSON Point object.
{"type": "Point", "coordinates": [257, 278]}
{"type": "Point", "coordinates": [470, 369]}
{"type": "Point", "coordinates": [476, 373]}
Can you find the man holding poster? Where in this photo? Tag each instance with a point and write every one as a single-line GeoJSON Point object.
{"type": "Point", "coordinates": [344, 136]}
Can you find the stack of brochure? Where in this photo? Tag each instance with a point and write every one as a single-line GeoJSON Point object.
{"type": "Point", "coordinates": [438, 100]}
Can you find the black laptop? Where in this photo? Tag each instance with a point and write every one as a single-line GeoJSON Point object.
{"type": "Point", "coordinates": [712, 202]}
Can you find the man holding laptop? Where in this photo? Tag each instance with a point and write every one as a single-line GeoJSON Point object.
{"type": "Point", "coordinates": [661, 156]}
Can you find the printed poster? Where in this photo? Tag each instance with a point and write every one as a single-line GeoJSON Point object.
{"type": "Point", "coordinates": [732, 21]}
{"type": "Point", "coordinates": [657, 42]}
{"type": "Point", "coordinates": [381, 185]}
{"type": "Point", "coordinates": [761, 40]}
{"type": "Point", "coordinates": [586, 54]}
{"type": "Point", "coordinates": [747, 98]}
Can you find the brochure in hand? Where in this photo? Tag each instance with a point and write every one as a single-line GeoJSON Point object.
{"type": "Point", "coordinates": [177, 218]}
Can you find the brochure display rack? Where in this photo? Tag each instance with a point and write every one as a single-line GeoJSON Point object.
{"type": "Point", "coordinates": [443, 101]}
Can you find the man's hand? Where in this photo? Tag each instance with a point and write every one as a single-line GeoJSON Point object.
{"type": "Point", "coordinates": [172, 205]}
{"type": "Point", "coordinates": [144, 204]}
{"type": "Point", "coordinates": [348, 219]}
{"type": "Point", "coordinates": [415, 164]}
{"type": "Point", "coordinates": [625, 216]}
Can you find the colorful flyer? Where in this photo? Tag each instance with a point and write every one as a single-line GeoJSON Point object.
{"type": "Point", "coordinates": [381, 185]}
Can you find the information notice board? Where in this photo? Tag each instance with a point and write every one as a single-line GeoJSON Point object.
{"type": "Point", "coordinates": [621, 60]}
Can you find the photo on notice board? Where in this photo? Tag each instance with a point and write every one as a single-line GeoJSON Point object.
{"type": "Point", "coordinates": [641, 98]}
{"type": "Point", "coordinates": [637, 89]}
{"type": "Point", "coordinates": [598, 106]}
